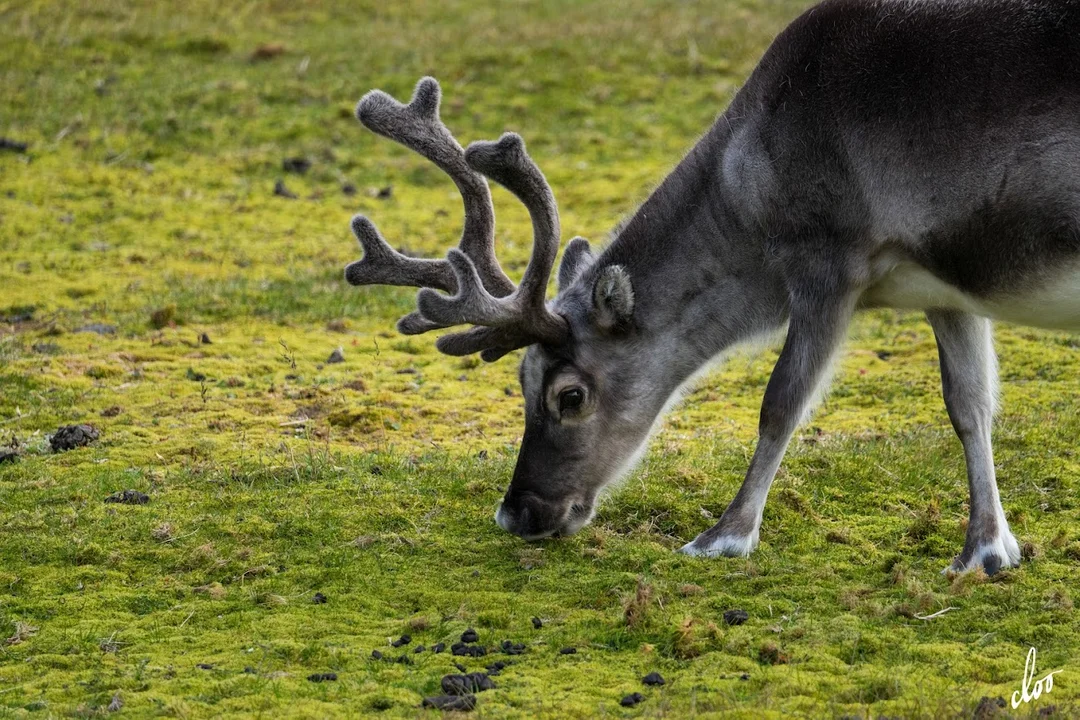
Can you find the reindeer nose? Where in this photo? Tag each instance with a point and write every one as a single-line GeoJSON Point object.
{"type": "Point", "coordinates": [527, 515]}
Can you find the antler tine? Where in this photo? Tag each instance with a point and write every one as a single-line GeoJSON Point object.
{"type": "Point", "coordinates": [417, 126]}
{"type": "Point", "coordinates": [522, 317]}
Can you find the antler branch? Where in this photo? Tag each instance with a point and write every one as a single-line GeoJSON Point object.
{"type": "Point", "coordinates": [507, 317]}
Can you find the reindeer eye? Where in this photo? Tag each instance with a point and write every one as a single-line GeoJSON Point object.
{"type": "Point", "coordinates": [571, 399]}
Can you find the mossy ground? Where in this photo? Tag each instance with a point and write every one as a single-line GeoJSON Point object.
{"type": "Point", "coordinates": [155, 142]}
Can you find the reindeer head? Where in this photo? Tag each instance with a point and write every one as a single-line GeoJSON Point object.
{"type": "Point", "coordinates": [585, 421]}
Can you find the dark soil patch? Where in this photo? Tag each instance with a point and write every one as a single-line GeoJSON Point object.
{"type": "Point", "coordinates": [128, 497]}
{"type": "Point", "coordinates": [281, 191]}
{"type": "Point", "coordinates": [298, 165]}
{"type": "Point", "coordinates": [70, 437]}
{"type": "Point", "coordinates": [322, 677]}
{"type": "Point", "coordinates": [462, 703]}
{"type": "Point", "coordinates": [111, 411]}
{"type": "Point", "coordinates": [8, 456]}
{"type": "Point", "coordinates": [736, 617]}
{"type": "Point", "coordinates": [568, 651]}
{"type": "Point", "coordinates": [632, 700]}
{"type": "Point", "coordinates": [13, 145]}
{"type": "Point", "coordinates": [319, 599]}
{"type": "Point", "coordinates": [537, 623]}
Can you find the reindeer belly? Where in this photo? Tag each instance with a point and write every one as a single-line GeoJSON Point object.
{"type": "Point", "coordinates": [1053, 303]}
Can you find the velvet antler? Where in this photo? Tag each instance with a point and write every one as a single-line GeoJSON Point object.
{"type": "Point", "coordinates": [506, 317]}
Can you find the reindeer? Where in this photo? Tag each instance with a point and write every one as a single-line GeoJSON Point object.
{"type": "Point", "coordinates": [919, 155]}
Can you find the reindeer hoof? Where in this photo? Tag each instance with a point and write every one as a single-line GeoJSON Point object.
{"type": "Point", "coordinates": [706, 545]}
{"type": "Point", "coordinates": [1002, 552]}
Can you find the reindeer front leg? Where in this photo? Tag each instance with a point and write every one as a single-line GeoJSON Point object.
{"type": "Point", "coordinates": [968, 381]}
{"type": "Point", "coordinates": [820, 314]}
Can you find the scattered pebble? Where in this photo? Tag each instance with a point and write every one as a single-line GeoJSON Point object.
{"type": "Point", "coordinates": [744, 676]}
{"type": "Point", "coordinates": [348, 188]}
{"type": "Point", "coordinates": [403, 640]}
{"type": "Point", "coordinates": [97, 328]}
{"type": "Point", "coordinates": [736, 617]}
{"type": "Point", "coordinates": [204, 339]}
{"type": "Point", "coordinates": [385, 193]}
{"type": "Point", "coordinates": [537, 623]}
{"type": "Point", "coordinates": [450, 702]}
{"type": "Point", "coordinates": [376, 655]}
{"type": "Point", "coordinates": [568, 651]}
{"type": "Point", "coordinates": [319, 599]}
{"type": "Point", "coordinates": [195, 375]}
{"type": "Point", "coordinates": [461, 667]}
{"type": "Point", "coordinates": [281, 191]}
{"type": "Point", "coordinates": [465, 684]}
{"type": "Point", "coordinates": [205, 666]}
{"type": "Point", "coordinates": [512, 648]}
{"type": "Point", "coordinates": [419, 649]}
{"type": "Point", "coordinates": [496, 667]}
{"type": "Point", "coordinates": [631, 700]}
{"type": "Point", "coordinates": [111, 411]}
{"type": "Point", "coordinates": [338, 356]}
{"type": "Point", "coordinates": [298, 165]}
{"type": "Point", "coordinates": [438, 647]}
{"type": "Point", "coordinates": [653, 678]}
{"type": "Point", "coordinates": [403, 660]}
{"type": "Point", "coordinates": [469, 636]}
{"type": "Point", "coordinates": [322, 677]}
{"type": "Point", "coordinates": [128, 497]}
{"type": "Point", "coordinates": [249, 670]}
{"type": "Point", "coordinates": [13, 145]}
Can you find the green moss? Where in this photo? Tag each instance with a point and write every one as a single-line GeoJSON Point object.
{"type": "Point", "coordinates": [155, 145]}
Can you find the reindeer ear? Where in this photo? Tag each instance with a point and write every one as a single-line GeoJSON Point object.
{"type": "Point", "coordinates": [613, 298]}
{"type": "Point", "coordinates": [576, 258]}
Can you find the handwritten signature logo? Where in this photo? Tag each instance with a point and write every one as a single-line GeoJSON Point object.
{"type": "Point", "coordinates": [1029, 691]}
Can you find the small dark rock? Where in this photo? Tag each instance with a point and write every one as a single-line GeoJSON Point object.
{"type": "Point", "coordinates": [568, 651]}
{"type": "Point", "coordinates": [744, 676]}
{"type": "Point", "coordinates": [419, 649]}
{"type": "Point", "coordinates": [348, 188]}
{"type": "Point", "coordinates": [496, 667]}
{"type": "Point", "coordinates": [8, 456]}
{"type": "Point", "coordinates": [462, 703]}
{"type": "Point", "coordinates": [204, 339]}
{"type": "Point", "coordinates": [298, 165]}
{"type": "Point", "coordinates": [318, 598]}
{"type": "Point", "coordinates": [884, 354]}
{"type": "Point", "coordinates": [1048, 710]}
{"type": "Point", "coordinates": [653, 678]}
{"type": "Point", "coordinates": [385, 193]}
{"type": "Point", "coordinates": [205, 666]}
{"type": "Point", "coordinates": [464, 650]}
{"type": "Point", "coordinates": [281, 191]}
{"type": "Point", "coordinates": [403, 660]}
{"type": "Point", "coordinates": [736, 617]}
{"type": "Point", "coordinates": [376, 470]}
{"type": "Point", "coordinates": [97, 328]}
{"type": "Point", "coordinates": [469, 636]}
{"type": "Point", "coordinates": [537, 623]}
{"type": "Point", "coordinates": [467, 683]}
{"type": "Point", "coordinates": [322, 677]}
{"type": "Point", "coordinates": [512, 648]}
{"type": "Point", "coordinates": [988, 708]}
{"type": "Point", "coordinates": [128, 497]}
{"type": "Point", "coordinates": [250, 670]}
{"type": "Point", "coordinates": [12, 145]}
{"type": "Point", "coordinates": [461, 667]}
{"type": "Point", "coordinates": [338, 356]}
{"type": "Point", "coordinates": [111, 411]}
{"type": "Point", "coordinates": [403, 640]}
{"type": "Point", "coordinates": [70, 437]}
{"type": "Point", "coordinates": [376, 655]}
{"type": "Point", "coordinates": [631, 700]}
{"type": "Point", "coordinates": [438, 647]}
